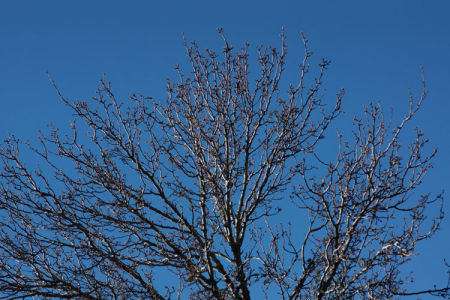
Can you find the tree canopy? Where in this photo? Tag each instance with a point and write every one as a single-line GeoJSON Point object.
{"type": "Point", "coordinates": [187, 197]}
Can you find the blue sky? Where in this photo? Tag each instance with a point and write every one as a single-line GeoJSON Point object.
{"type": "Point", "coordinates": [376, 49]}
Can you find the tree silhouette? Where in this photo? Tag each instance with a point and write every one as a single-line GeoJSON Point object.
{"type": "Point", "coordinates": [187, 197]}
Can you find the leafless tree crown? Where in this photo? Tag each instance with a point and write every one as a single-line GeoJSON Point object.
{"type": "Point", "coordinates": [187, 197]}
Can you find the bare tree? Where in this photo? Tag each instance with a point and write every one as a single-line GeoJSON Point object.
{"type": "Point", "coordinates": [154, 200]}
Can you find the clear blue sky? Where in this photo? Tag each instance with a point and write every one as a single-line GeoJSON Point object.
{"type": "Point", "coordinates": [376, 49]}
